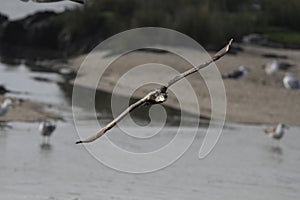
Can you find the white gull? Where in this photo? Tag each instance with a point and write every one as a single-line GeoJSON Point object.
{"type": "Point", "coordinates": [276, 132]}
{"type": "Point", "coordinates": [5, 106]}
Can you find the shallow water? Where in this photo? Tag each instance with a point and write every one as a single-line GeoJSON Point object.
{"type": "Point", "coordinates": [52, 88]}
{"type": "Point", "coordinates": [16, 9]}
{"type": "Point", "coordinates": [21, 80]}
{"type": "Point", "coordinates": [245, 164]}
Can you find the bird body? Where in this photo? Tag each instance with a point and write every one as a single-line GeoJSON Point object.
{"type": "Point", "coordinates": [46, 129]}
{"type": "Point", "coordinates": [237, 74]}
{"type": "Point", "coordinates": [290, 82]}
{"type": "Point", "coordinates": [5, 106]}
{"type": "Point", "coordinates": [50, 1]}
{"type": "Point", "coordinates": [271, 67]}
{"type": "Point", "coordinates": [276, 132]}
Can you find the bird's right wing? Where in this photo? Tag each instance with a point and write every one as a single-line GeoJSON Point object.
{"type": "Point", "coordinates": [110, 125]}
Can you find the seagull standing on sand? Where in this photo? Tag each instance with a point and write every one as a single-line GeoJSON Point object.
{"type": "Point", "coordinates": [271, 67]}
{"type": "Point", "coordinates": [5, 106]}
{"type": "Point", "coordinates": [274, 66]}
{"type": "Point", "coordinates": [290, 82]}
{"type": "Point", "coordinates": [46, 129]}
{"type": "Point", "coordinates": [276, 132]}
{"type": "Point", "coordinates": [237, 74]}
{"type": "Point", "coordinates": [50, 1]}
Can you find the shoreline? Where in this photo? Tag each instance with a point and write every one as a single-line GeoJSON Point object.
{"type": "Point", "coordinates": [27, 111]}
{"type": "Point", "coordinates": [256, 99]}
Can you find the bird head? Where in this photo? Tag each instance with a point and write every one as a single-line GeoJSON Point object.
{"type": "Point", "coordinates": [283, 126]}
{"type": "Point", "coordinates": [243, 69]}
{"type": "Point", "coordinates": [158, 96]}
{"type": "Point", "coordinates": [161, 98]}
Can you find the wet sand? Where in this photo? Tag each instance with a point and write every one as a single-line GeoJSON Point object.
{"type": "Point", "coordinates": [256, 99]}
{"type": "Point", "coordinates": [27, 111]}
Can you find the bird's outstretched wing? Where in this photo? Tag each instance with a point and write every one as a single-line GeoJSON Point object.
{"type": "Point", "coordinates": [216, 57]}
{"type": "Point", "coordinates": [155, 96]}
{"type": "Point", "coordinates": [103, 130]}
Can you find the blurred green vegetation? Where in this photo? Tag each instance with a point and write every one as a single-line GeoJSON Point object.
{"type": "Point", "coordinates": [210, 22]}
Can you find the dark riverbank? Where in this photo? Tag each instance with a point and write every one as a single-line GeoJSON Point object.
{"type": "Point", "coordinates": [38, 36]}
{"type": "Point", "coordinates": [211, 23]}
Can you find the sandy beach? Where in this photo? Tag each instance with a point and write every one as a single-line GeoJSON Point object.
{"type": "Point", "coordinates": [256, 99]}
